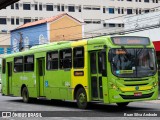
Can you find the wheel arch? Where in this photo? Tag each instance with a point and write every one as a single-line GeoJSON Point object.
{"type": "Point", "coordinates": [76, 89]}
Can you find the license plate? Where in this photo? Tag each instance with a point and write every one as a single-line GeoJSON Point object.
{"type": "Point", "coordinates": [138, 94]}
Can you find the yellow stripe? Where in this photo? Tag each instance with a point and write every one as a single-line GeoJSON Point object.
{"type": "Point", "coordinates": [127, 89]}
{"type": "Point", "coordinates": [79, 43]}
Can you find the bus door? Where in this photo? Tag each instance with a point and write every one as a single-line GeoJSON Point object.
{"type": "Point", "coordinates": [41, 73]}
{"type": "Point", "coordinates": [96, 76]}
{"type": "Point", "coordinates": [9, 70]}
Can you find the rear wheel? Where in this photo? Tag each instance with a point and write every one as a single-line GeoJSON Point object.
{"type": "Point", "coordinates": [81, 98]}
{"type": "Point", "coordinates": [122, 104]}
{"type": "Point", "coordinates": [25, 95]}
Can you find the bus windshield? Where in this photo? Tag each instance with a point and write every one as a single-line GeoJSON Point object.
{"type": "Point", "coordinates": [133, 62]}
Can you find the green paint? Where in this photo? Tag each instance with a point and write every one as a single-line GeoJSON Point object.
{"type": "Point", "coordinates": [57, 84]}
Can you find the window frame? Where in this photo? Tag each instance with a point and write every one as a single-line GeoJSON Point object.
{"type": "Point", "coordinates": [83, 53]}
{"type": "Point", "coordinates": [24, 63]}
{"type": "Point", "coordinates": [27, 7]}
{"type": "Point", "coordinates": [49, 7]}
{"type": "Point", "coordinates": [62, 60]}
{"type": "Point", "coordinates": [18, 64]}
{"type": "Point", "coordinates": [52, 60]}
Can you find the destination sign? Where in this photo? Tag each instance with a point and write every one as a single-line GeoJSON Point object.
{"type": "Point", "coordinates": [130, 40]}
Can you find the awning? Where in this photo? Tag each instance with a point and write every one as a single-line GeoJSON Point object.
{"type": "Point", "coordinates": [157, 45]}
{"type": "Point", "coordinates": [113, 21]}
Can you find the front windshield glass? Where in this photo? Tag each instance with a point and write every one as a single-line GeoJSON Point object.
{"type": "Point", "coordinates": [133, 62]}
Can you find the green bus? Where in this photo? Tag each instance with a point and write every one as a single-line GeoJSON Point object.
{"type": "Point", "coordinates": [107, 69]}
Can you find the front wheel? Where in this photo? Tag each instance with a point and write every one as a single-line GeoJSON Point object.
{"type": "Point", "coordinates": [81, 98]}
{"type": "Point", "coordinates": [122, 104]}
{"type": "Point", "coordinates": [25, 95]}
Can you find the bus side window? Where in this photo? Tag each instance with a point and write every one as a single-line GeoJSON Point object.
{"type": "Point", "coordinates": [78, 57]}
{"type": "Point", "coordinates": [29, 63]}
{"type": "Point", "coordinates": [18, 64]}
{"type": "Point", "coordinates": [65, 58]}
{"type": "Point", "coordinates": [52, 60]}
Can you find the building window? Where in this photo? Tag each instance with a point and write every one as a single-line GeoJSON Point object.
{"type": "Point", "coordinates": [8, 50]}
{"type": "Point", "coordinates": [129, 11]}
{"type": "Point", "coordinates": [52, 60]}
{"type": "Point", "coordinates": [104, 10]}
{"type": "Point", "coordinates": [87, 7]}
{"type": "Point", "coordinates": [36, 19]}
{"type": "Point", "coordinates": [111, 10]}
{"type": "Point", "coordinates": [40, 7]}
{"type": "Point", "coordinates": [122, 10]}
{"type": "Point", "coordinates": [58, 8]}
{"type": "Point", "coordinates": [3, 21]}
{"type": "Point", "coordinates": [96, 21]}
{"type": "Point", "coordinates": [26, 6]}
{"type": "Point", "coordinates": [27, 20]}
{"type": "Point", "coordinates": [78, 57]}
{"type": "Point", "coordinates": [12, 6]}
{"type": "Point", "coordinates": [17, 21]}
{"type": "Point", "coordinates": [35, 7]}
{"type": "Point", "coordinates": [17, 6]}
{"type": "Point", "coordinates": [49, 7]}
{"type": "Point", "coordinates": [146, 1]}
{"type": "Point", "coordinates": [96, 8]}
{"type": "Point", "coordinates": [79, 8]}
{"type": "Point", "coordinates": [146, 11]}
{"type": "Point", "coordinates": [112, 25]}
{"type": "Point", "coordinates": [119, 11]}
{"type": "Point", "coordinates": [88, 21]}
{"type": "Point", "coordinates": [12, 21]}
{"type": "Point", "coordinates": [1, 50]}
{"type": "Point", "coordinates": [65, 58]}
{"type": "Point", "coordinates": [18, 64]}
{"type": "Point", "coordinates": [71, 8]}
{"type": "Point", "coordinates": [29, 63]}
{"type": "Point", "coordinates": [62, 7]}
{"type": "Point", "coordinates": [140, 11]}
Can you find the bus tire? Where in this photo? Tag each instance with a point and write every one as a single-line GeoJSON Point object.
{"type": "Point", "coordinates": [81, 98]}
{"type": "Point", "coordinates": [25, 95]}
{"type": "Point", "coordinates": [124, 104]}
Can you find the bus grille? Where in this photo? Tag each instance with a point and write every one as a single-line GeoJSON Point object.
{"type": "Point", "coordinates": [136, 82]}
{"type": "Point", "coordinates": [136, 97]}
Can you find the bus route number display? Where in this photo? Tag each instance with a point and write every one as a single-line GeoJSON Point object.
{"type": "Point", "coordinates": [130, 40]}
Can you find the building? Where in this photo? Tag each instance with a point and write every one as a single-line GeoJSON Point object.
{"type": "Point", "coordinates": [44, 31]}
{"type": "Point", "coordinates": [95, 14]}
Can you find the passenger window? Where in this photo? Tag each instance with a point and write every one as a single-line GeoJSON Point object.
{"type": "Point", "coordinates": [52, 60]}
{"type": "Point", "coordinates": [78, 57]}
{"type": "Point", "coordinates": [29, 63]}
{"type": "Point", "coordinates": [66, 58]}
{"type": "Point", "coordinates": [18, 64]}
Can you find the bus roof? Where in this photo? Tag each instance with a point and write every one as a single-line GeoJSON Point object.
{"type": "Point", "coordinates": [65, 44]}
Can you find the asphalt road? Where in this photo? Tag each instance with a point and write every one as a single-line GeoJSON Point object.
{"type": "Point", "coordinates": [68, 110]}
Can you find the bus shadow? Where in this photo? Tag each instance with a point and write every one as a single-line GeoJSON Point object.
{"type": "Point", "coordinates": [111, 108]}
